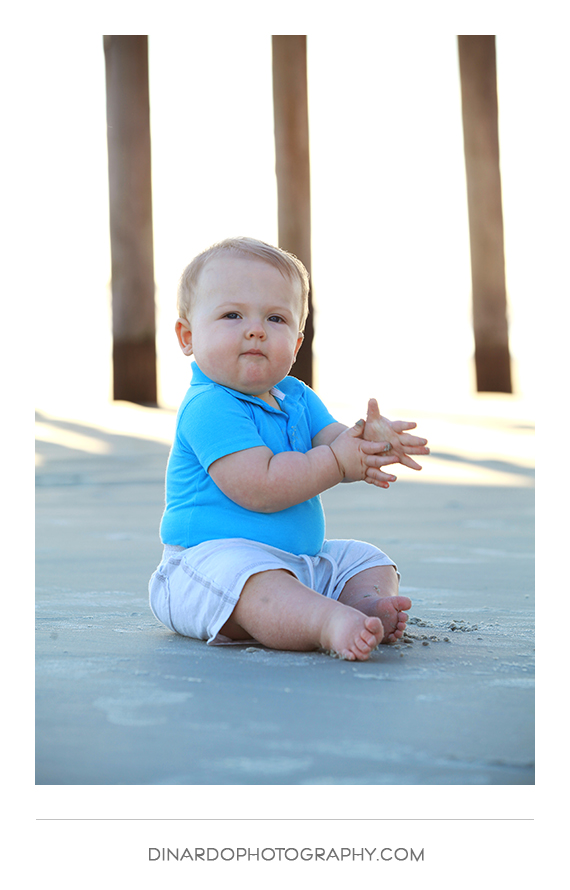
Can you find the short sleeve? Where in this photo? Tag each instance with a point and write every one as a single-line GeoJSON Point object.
{"type": "Point", "coordinates": [214, 424]}
{"type": "Point", "coordinates": [319, 415]}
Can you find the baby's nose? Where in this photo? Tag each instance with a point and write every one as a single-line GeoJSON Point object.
{"type": "Point", "coordinates": [256, 330]}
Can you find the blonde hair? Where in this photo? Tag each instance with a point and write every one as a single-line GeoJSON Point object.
{"type": "Point", "coordinates": [287, 263]}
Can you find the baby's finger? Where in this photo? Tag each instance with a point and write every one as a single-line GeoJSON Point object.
{"type": "Point", "coordinates": [375, 447]}
{"type": "Point", "coordinates": [400, 425]}
{"type": "Point", "coordinates": [410, 441]}
{"type": "Point", "coordinates": [381, 460]}
{"type": "Point", "coordinates": [377, 477]}
{"type": "Point", "coordinates": [413, 449]}
{"type": "Point", "coordinates": [409, 462]}
{"type": "Point", "coordinates": [377, 484]}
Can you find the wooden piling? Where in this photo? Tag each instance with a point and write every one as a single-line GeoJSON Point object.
{"type": "Point", "coordinates": [130, 206]}
{"type": "Point", "coordinates": [291, 118]}
{"type": "Point", "coordinates": [477, 62]}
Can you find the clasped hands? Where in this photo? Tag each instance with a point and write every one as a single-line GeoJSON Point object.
{"type": "Point", "coordinates": [379, 429]}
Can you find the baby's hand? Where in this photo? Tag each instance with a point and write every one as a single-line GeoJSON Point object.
{"type": "Point", "coordinates": [356, 457]}
{"type": "Point", "coordinates": [380, 429]}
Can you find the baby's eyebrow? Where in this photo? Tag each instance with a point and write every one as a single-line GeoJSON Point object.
{"type": "Point", "coordinates": [233, 305]}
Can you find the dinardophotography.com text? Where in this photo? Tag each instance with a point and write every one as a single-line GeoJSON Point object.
{"type": "Point", "coordinates": [285, 854]}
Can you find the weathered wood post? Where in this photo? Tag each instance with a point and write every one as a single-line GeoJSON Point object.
{"type": "Point", "coordinates": [477, 63]}
{"type": "Point", "coordinates": [291, 117]}
{"type": "Point", "coordinates": [130, 203]}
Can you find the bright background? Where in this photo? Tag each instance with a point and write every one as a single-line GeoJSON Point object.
{"type": "Point", "coordinates": [391, 271]}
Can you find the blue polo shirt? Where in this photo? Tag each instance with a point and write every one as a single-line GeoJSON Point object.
{"type": "Point", "coordinates": [214, 421]}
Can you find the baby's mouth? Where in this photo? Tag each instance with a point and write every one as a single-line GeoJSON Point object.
{"type": "Point", "coordinates": [253, 352]}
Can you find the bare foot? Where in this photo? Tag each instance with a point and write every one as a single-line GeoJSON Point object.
{"type": "Point", "coordinates": [351, 635]}
{"type": "Point", "coordinates": [389, 609]}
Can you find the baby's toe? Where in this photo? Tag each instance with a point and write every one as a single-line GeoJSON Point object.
{"type": "Point", "coordinates": [402, 603]}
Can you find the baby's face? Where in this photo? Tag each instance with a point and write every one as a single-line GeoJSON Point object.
{"type": "Point", "coordinates": [244, 324]}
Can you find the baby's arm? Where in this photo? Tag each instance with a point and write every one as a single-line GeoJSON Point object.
{"type": "Point", "coordinates": [264, 482]}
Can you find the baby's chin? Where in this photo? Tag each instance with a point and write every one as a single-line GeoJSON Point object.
{"type": "Point", "coordinates": [252, 376]}
{"type": "Point", "coordinates": [253, 384]}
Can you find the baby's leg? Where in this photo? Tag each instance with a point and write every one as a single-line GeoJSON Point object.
{"type": "Point", "coordinates": [375, 592]}
{"type": "Point", "coordinates": [276, 609]}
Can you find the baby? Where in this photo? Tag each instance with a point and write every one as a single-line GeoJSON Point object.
{"type": "Point", "coordinates": [245, 556]}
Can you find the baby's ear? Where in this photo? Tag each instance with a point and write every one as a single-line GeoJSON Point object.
{"type": "Point", "coordinates": [300, 339]}
{"type": "Point", "coordinates": [184, 335]}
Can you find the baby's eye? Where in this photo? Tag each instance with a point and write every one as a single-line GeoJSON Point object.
{"type": "Point", "coordinates": [276, 318]}
{"type": "Point", "coordinates": [231, 315]}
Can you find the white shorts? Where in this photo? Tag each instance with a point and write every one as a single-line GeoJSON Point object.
{"type": "Point", "coordinates": [194, 591]}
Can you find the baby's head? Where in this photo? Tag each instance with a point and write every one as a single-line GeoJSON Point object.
{"type": "Point", "coordinates": [288, 265]}
{"type": "Point", "coordinates": [242, 308]}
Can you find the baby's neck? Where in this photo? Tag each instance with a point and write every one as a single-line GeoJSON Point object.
{"type": "Point", "coordinates": [270, 399]}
